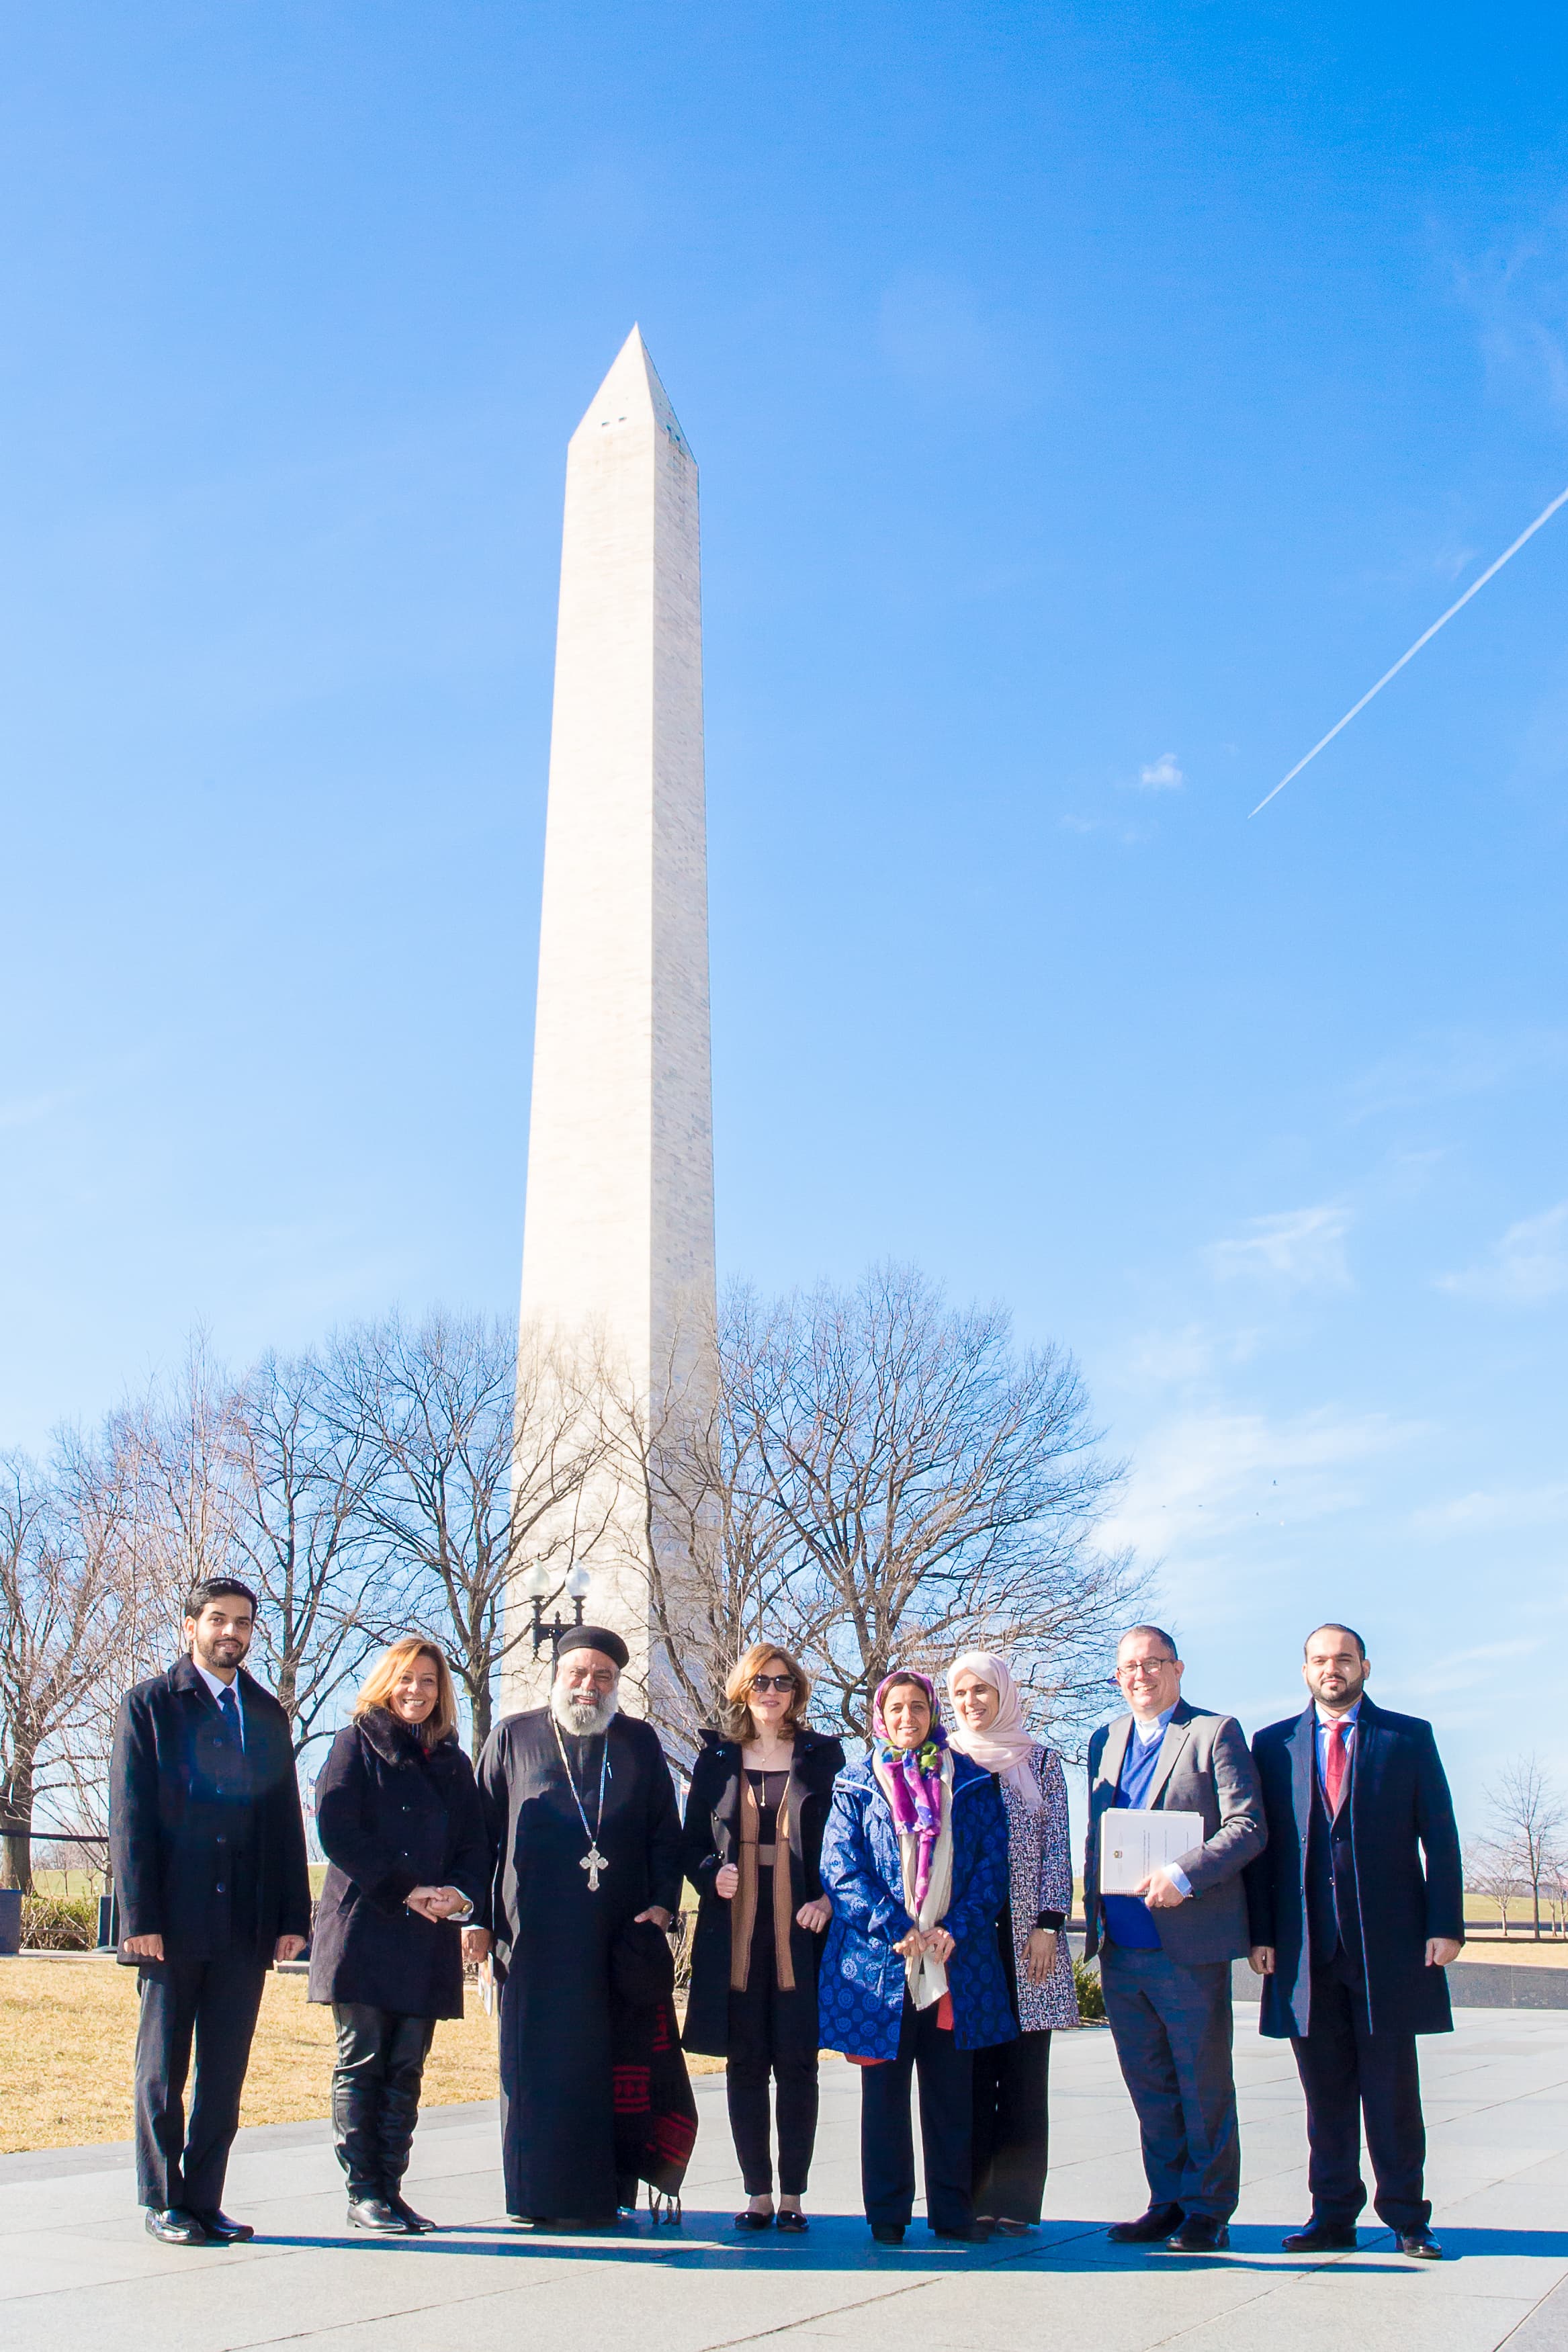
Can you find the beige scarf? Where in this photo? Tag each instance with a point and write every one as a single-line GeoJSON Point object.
{"type": "Point", "coordinates": [927, 1977]}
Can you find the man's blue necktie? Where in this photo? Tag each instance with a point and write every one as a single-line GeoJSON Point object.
{"type": "Point", "coordinates": [228, 1708]}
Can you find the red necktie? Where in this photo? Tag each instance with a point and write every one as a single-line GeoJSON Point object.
{"type": "Point", "coordinates": [1336, 1764]}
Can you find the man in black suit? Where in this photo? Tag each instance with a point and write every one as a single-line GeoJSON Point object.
{"type": "Point", "coordinates": [1351, 1936]}
{"type": "Point", "coordinates": [209, 1865]}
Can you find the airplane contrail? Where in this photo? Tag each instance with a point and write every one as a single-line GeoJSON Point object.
{"type": "Point", "coordinates": [1425, 637]}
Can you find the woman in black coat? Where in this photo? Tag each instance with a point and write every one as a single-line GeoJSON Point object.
{"type": "Point", "coordinates": [400, 1822]}
{"type": "Point", "coordinates": [754, 1818]}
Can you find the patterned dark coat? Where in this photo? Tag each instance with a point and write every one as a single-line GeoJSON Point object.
{"type": "Point", "coordinates": [393, 1815]}
{"type": "Point", "coordinates": [860, 1991]}
{"type": "Point", "coordinates": [1039, 1871]}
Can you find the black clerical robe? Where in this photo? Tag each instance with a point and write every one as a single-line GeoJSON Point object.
{"type": "Point", "coordinates": [553, 1934]}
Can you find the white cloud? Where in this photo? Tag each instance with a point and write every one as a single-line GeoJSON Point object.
{"type": "Point", "coordinates": [1162, 775]}
{"type": "Point", "coordinates": [1303, 1249]}
{"type": "Point", "coordinates": [1195, 1351]}
{"type": "Point", "coordinates": [1529, 1264]}
{"type": "Point", "coordinates": [1210, 1474]}
{"type": "Point", "coordinates": [1483, 1513]}
{"type": "Point", "coordinates": [29, 1110]}
{"type": "Point", "coordinates": [1448, 1066]}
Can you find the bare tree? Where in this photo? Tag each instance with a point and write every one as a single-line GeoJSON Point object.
{"type": "Point", "coordinates": [889, 1480]}
{"type": "Point", "coordinates": [302, 1533]}
{"type": "Point", "coordinates": [1528, 1817]}
{"type": "Point", "coordinates": [483, 1460]}
{"type": "Point", "coordinates": [1491, 1869]}
{"type": "Point", "coordinates": [179, 1445]}
{"type": "Point", "coordinates": [62, 1603]}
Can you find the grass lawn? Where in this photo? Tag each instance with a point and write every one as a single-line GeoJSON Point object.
{"type": "Point", "coordinates": [67, 2030]}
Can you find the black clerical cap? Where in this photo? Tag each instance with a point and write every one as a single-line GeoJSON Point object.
{"type": "Point", "coordinates": [594, 1637]}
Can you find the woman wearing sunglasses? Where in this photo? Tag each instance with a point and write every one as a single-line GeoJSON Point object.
{"type": "Point", "coordinates": [754, 1818]}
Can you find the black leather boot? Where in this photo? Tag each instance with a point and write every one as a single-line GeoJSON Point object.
{"type": "Point", "coordinates": [399, 2113]}
{"type": "Point", "coordinates": [356, 2114]}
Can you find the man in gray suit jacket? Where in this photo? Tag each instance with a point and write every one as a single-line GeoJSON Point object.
{"type": "Point", "coordinates": [1165, 1953]}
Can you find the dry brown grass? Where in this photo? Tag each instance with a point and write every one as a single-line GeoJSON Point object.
{"type": "Point", "coordinates": [67, 2030]}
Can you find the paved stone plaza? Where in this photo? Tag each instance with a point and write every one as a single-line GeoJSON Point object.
{"type": "Point", "coordinates": [76, 2267]}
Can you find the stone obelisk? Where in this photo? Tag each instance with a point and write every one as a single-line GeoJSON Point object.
{"type": "Point", "coordinates": [618, 1232]}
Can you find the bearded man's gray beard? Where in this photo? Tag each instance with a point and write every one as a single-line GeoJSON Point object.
{"type": "Point", "coordinates": [585, 1718]}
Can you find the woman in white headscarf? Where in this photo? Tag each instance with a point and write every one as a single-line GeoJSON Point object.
{"type": "Point", "coordinates": [1011, 2114]}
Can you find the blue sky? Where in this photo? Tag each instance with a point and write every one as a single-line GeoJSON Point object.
{"type": "Point", "coordinates": [1090, 403]}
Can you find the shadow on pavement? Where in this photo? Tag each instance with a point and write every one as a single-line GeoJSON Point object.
{"type": "Point", "coordinates": [840, 2242]}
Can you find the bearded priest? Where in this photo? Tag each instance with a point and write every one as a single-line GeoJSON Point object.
{"type": "Point", "coordinates": [586, 1843]}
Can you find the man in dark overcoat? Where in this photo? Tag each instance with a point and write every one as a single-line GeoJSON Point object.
{"type": "Point", "coordinates": [1351, 1935]}
{"type": "Point", "coordinates": [208, 1849]}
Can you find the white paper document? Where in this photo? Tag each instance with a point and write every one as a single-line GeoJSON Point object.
{"type": "Point", "coordinates": [1131, 1845]}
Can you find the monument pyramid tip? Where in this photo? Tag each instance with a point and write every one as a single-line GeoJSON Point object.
{"type": "Point", "coordinates": [633, 379]}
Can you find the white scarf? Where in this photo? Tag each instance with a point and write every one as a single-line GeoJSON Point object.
{"type": "Point", "coordinates": [1006, 1746]}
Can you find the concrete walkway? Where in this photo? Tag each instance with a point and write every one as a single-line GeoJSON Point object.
{"type": "Point", "coordinates": [76, 2267]}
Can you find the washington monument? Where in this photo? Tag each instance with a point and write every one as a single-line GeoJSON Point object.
{"type": "Point", "coordinates": [618, 1231]}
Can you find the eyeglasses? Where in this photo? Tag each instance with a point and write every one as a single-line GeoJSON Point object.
{"type": "Point", "coordinates": [772, 1682]}
{"type": "Point", "coordinates": [1146, 1667]}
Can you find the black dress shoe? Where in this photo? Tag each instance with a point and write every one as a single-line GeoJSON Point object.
{"type": "Point", "coordinates": [174, 2226]}
{"type": "Point", "coordinates": [375, 2214]}
{"type": "Point", "coordinates": [887, 2233]}
{"type": "Point", "coordinates": [1420, 2244]}
{"type": "Point", "coordinates": [1149, 2228]}
{"type": "Point", "coordinates": [750, 2221]}
{"type": "Point", "coordinates": [1200, 2234]}
{"type": "Point", "coordinates": [220, 2229]}
{"type": "Point", "coordinates": [964, 2234]}
{"type": "Point", "coordinates": [1322, 2238]}
{"type": "Point", "coordinates": [791, 2220]}
{"type": "Point", "coordinates": [415, 2223]}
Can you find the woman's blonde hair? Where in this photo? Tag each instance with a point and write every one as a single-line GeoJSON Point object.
{"type": "Point", "coordinates": [389, 1669]}
{"type": "Point", "coordinates": [735, 1718]}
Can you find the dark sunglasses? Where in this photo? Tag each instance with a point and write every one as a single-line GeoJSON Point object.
{"type": "Point", "coordinates": [772, 1682]}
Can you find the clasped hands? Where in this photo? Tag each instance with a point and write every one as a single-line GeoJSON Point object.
{"type": "Point", "coordinates": [435, 1903]}
{"type": "Point", "coordinates": [922, 1943]}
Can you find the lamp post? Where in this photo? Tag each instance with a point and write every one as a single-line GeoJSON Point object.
{"type": "Point", "coordinates": [539, 1586]}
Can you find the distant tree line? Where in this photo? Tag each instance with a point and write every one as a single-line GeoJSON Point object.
{"type": "Point", "coordinates": [1523, 1857]}
{"type": "Point", "coordinates": [876, 1476]}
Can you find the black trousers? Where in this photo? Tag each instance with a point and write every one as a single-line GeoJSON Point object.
{"type": "Point", "coordinates": [375, 2094]}
{"type": "Point", "coordinates": [887, 2133]}
{"type": "Point", "coordinates": [772, 2034]}
{"type": "Point", "coordinates": [215, 2004]}
{"type": "Point", "coordinates": [1012, 2126]}
{"type": "Point", "coordinates": [1348, 2072]}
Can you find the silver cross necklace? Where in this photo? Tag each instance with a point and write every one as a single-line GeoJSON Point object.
{"type": "Point", "coordinates": [593, 1861]}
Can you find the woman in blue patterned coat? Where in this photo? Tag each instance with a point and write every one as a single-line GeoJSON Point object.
{"type": "Point", "coordinates": [914, 1859]}
{"type": "Point", "coordinates": [1011, 2112]}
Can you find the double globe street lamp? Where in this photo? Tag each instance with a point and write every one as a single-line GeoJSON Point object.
{"type": "Point", "coordinates": [539, 1586]}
